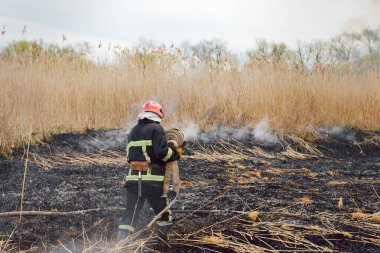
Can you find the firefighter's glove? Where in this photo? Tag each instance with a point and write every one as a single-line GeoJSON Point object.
{"type": "Point", "coordinates": [176, 155]}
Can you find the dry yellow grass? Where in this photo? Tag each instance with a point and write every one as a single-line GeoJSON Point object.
{"type": "Point", "coordinates": [252, 173]}
{"type": "Point", "coordinates": [347, 234]}
{"type": "Point", "coordinates": [212, 240]}
{"type": "Point", "coordinates": [375, 218]}
{"type": "Point", "coordinates": [340, 203]}
{"type": "Point", "coordinates": [359, 215]}
{"type": "Point", "coordinates": [240, 166]}
{"type": "Point", "coordinates": [374, 240]}
{"type": "Point", "coordinates": [254, 215]}
{"type": "Point", "coordinates": [303, 170]}
{"type": "Point", "coordinates": [314, 227]}
{"type": "Point", "coordinates": [185, 183]}
{"type": "Point", "coordinates": [336, 183]}
{"type": "Point", "coordinates": [288, 227]}
{"type": "Point", "coordinates": [312, 175]}
{"type": "Point", "coordinates": [304, 200]}
{"type": "Point", "coordinates": [54, 95]}
{"type": "Point", "coordinates": [332, 173]}
{"type": "Point", "coordinates": [274, 171]}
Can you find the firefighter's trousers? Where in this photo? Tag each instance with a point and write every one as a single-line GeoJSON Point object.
{"type": "Point", "coordinates": [151, 191]}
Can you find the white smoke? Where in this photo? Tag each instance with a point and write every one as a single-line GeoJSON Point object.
{"type": "Point", "coordinates": [263, 133]}
{"type": "Point", "coordinates": [215, 134]}
{"type": "Point", "coordinates": [335, 130]}
{"type": "Point", "coordinates": [260, 133]}
{"type": "Point", "coordinates": [191, 131]}
{"type": "Point", "coordinates": [370, 17]}
{"type": "Point", "coordinates": [170, 107]}
{"type": "Point", "coordinates": [118, 138]}
{"type": "Point", "coordinates": [240, 134]}
{"type": "Point", "coordinates": [338, 132]}
{"type": "Point", "coordinates": [105, 140]}
{"type": "Point", "coordinates": [109, 139]}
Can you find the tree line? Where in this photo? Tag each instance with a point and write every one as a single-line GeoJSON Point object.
{"type": "Point", "coordinates": [359, 52]}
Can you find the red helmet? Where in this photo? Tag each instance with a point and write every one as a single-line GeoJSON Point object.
{"type": "Point", "coordinates": [152, 106]}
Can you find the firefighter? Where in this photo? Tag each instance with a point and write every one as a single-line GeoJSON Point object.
{"type": "Point", "coordinates": [147, 153]}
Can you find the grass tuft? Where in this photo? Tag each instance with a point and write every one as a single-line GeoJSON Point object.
{"type": "Point", "coordinates": [340, 203]}
{"type": "Point", "coordinates": [359, 215]}
{"type": "Point", "coordinates": [254, 215]}
{"type": "Point", "coordinates": [212, 240]}
{"type": "Point", "coordinates": [375, 218]}
{"type": "Point", "coordinates": [304, 200]}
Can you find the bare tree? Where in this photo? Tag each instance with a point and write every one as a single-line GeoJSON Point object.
{"type": "Point", "coordinates": [211, 51]}
{"type": "Point", "coordinates": [261, 53]}
{"type": "Point", "coordinates": [371, 42]}
{"type": "Point", "coordinates": [311, 56]}
{"type": "Point", "coordinates": [343, 47]}
{"type": "Point", "coordinates": [146, 45]}
{"type": "Point", "coordinates": [270, 53]}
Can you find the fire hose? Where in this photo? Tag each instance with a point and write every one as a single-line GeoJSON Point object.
{"type": "Point", "coordinates": [175, 139]}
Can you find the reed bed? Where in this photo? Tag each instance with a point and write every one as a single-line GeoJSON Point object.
{"type": "Point", "coordinates": [46, 95]}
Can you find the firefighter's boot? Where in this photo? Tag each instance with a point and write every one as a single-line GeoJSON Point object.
{"type": "Point", "coordinates": [123, 232]}
{"type": "Point", "coordinates": [163, 238]}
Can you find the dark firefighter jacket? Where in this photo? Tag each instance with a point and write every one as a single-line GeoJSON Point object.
{"type": "Point", "coordinates": [146, 142]}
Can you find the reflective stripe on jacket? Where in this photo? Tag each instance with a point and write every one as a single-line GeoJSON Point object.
{"type": "Point", "coordinates": [146, 142]}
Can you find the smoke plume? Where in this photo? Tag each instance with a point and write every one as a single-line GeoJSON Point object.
{"type": "Point", "coordinates": [338, 132]}
{"type": "Point", "coordinates": [371, 18]}
{"type": "Point", "coordinates": [260, 133]}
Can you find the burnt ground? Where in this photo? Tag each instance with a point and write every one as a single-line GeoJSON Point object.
{"type": "Point", "coordinates": [237, 196]}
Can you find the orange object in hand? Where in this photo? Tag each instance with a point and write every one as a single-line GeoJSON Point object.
{"type": "Point", "coordinates": [180, 151]}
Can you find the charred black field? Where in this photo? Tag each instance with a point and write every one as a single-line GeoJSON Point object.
{"type": "Point", "coordinates": [320, 193]}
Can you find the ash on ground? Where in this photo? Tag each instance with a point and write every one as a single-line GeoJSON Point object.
{"type": "Point", "coordinates": [237, 195]}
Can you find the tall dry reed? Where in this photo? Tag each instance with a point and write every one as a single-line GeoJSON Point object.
{"type": "Point", "coordinates": [49, 95]}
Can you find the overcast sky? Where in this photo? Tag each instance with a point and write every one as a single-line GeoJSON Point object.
{"type": "Point", "coordinates": [239, 22]}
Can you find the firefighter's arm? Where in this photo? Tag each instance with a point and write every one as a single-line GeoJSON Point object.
{"type": "Point", "coordinates": [161, 149]}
